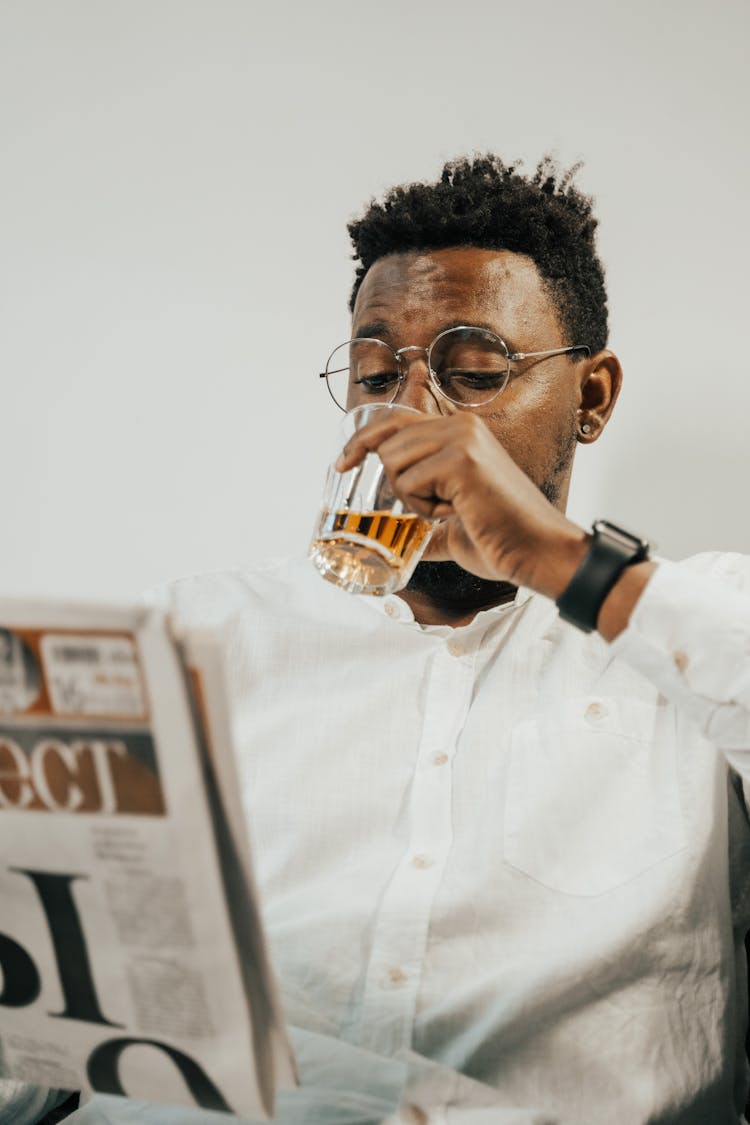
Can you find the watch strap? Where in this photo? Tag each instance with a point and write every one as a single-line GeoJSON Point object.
{"type": "Point", "coordinates": [611, 550]}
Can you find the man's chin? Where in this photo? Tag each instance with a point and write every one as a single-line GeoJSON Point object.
{"type": "Point", "coordinates": [447, 583]}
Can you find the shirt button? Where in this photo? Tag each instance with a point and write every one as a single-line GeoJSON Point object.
{"type": "Point", "coordinates": [455, 648]}
{"type": "Point", "coordinates": [422, 862]}
{"type": "Point", "coordinates": [395, 977]}
{"type": "Point", "coordinates": [681, 659]}
{"type": "Point", "coordinates": [594, 712]}
{"type": "Point", "coordinates": [439, 759]}
{"type": "Point", "coordinates": [390, 609]}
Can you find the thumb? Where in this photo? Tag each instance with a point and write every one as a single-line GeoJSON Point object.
{"type": "Point", "coordinates": [437, 548]}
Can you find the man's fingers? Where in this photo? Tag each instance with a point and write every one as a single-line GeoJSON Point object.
{"type": "Point", "coordinates": [372, 436]}
{"type": "Point", "coordinates": [366, 440]}
{"type": "Point", "coordinates": [422, 479]}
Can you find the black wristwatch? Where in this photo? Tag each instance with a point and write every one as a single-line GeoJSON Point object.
{"type": "Point", "coordinates": [610, 551]}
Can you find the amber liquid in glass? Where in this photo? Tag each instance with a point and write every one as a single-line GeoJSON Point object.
{"type": "Point", "coordinates": [369, 548]}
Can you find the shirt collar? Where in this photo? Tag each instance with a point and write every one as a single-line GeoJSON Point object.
{"type": "Point", "coordinates": [396, 609]}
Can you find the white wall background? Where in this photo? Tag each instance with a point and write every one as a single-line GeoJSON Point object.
{"type": "Point", "coordinates": [175, 179]}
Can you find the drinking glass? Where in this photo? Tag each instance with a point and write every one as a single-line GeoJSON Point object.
{"type": "Point", "coordinates": [366, 540]}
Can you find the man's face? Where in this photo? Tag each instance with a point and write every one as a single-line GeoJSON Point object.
{"type": "Point", "coordinates": [408, 299]}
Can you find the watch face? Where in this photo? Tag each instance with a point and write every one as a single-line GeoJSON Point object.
{"type": "Point", "coordinates": [625, 538]}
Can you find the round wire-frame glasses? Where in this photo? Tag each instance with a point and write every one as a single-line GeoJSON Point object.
{"type": "Point", "coordinates": [468, 365]}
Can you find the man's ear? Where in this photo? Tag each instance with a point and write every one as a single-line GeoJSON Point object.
{"type": "Point", "coordinates": [601, 379]}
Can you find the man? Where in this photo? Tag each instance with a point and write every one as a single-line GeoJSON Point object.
{"type": "Point", "coordinates": [501, 847]}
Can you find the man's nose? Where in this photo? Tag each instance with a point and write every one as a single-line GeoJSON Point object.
{"type": "Point", "coordinates": [417, 388]}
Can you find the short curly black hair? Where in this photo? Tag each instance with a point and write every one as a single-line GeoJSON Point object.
{"type": "Point", "coordinates": [483, 202]}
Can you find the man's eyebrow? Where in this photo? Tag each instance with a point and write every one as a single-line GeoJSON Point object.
{"type": "Point", "coordinates": [376, 329]}
{"type": "Point", "coordinates": [380, 330]}
{"type": "Point", "coordinates": [487, 327]}
{"type": "Point", "coordinates": [474, 324]}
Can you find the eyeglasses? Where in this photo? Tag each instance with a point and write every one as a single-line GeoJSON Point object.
{"type": "Point", "coordinates": [467, 365]}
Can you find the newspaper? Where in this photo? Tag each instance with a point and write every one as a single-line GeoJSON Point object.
{"type": "Point", "coordinates": [132, 958]}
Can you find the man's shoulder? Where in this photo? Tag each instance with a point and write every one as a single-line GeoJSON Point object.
{"type": "Point", "coordinates": [211, 597]}
{"type": "Point", "coordinates": [286, 588]}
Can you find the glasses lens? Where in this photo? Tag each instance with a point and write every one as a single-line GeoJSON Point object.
{"type": "Point", "coordinates": [362, 371]}
{"type": "Point", "coordinates": [471, 365]}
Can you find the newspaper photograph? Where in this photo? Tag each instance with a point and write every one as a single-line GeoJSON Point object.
{"type": "Point", "coordinates": [132, 957]}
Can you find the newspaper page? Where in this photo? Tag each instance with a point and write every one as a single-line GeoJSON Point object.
{"type": "Point", "coordinates": [132, 959]}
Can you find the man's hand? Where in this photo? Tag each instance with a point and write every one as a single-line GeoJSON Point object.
{"type": "Point", "coordinates": [495, 521]}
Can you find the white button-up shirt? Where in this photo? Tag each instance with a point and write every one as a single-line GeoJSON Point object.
{"type": "Point", "coordinates": [509, 848]}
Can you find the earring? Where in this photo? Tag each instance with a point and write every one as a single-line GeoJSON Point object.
{"type": "Point", "coordinates": [586, 428]}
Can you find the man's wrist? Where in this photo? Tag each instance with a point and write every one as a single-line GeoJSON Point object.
{"type": "Point", "coordinates": [559, 559]}
{"type": "Point", "coordinates": [557, 564]}
{"type": "Point", "coordinates": [612, 550]}
{"type": "Point", "coordinates": [620, 602]}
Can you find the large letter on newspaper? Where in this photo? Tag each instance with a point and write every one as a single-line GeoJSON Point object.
{"type": "Point", "coordinates": [132, 960]}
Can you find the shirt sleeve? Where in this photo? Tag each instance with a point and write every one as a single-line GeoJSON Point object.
{"type": "Point", "coordinates": [690, 635]}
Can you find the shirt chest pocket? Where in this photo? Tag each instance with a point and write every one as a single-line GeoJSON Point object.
{"type": "Point", "coordinates": [592, 794]}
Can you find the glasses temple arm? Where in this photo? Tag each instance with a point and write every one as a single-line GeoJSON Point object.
{"type": "Point", "coordinates": [552, 351]}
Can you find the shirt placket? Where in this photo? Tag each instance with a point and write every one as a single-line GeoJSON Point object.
{"type": "Point", "coordinates": [399, 942]}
